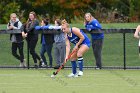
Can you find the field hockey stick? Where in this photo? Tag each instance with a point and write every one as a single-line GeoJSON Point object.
{"type": "Point", "coordinates": [69, 56]}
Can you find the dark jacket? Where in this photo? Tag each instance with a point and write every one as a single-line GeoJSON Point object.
{"type": "Point", "coordinates": [31, 27]}
{"type": "Point", "coordinates": [32, 33]}
{"type": "Point", "coordinates": [19, 37]}
{"type": "Point", "coordinates": [49, 38]}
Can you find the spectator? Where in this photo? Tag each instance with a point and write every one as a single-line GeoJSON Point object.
{"type": "Point", "coordinates": [16, 39]}
{"type": "Point", "coordinates": [47, 41]}
{"type": "Point", "coordinates": [136, 35]}
{"type": "Point", "coordinates": [97, 38]}
{"type": "Point", "coordinates": [60, 45]}
{"type": "Point", "coordinates": [28, 31]}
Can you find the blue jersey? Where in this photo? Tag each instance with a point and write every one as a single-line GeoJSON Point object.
{"type": "Point", "coordinates": [94, 24]}
{"type": "Point", "coordinates": [75, 39]}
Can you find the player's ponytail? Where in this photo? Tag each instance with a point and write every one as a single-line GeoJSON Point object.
{"type": "Point", "coordinates": [64, 22]}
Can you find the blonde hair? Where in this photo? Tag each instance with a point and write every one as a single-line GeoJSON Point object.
{"type": "Point", "coordinates": [64, 22]}
{"type": "Point", "coordinates": [89, 15]}
{"type": "Point", "coordinates": [13, 14]}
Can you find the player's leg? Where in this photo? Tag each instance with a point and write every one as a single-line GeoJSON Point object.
{"type": "Point", "coordinates": [83, 48]}
{"type": "Point", "coordinates": [74, 65]}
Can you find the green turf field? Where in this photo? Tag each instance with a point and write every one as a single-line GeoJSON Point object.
{"type": "Point", "coordinates": [93, 81]}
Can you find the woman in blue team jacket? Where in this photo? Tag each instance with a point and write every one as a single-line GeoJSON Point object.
{"type": "Point", "coordinates": [97, 38]}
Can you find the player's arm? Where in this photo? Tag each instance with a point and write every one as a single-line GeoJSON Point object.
{"type": "Point", "coordinates": [77, 32]}
{"type": "Point", "coordinates": [136, 34]}
{"type": "Point", "coordinates": [67, 46]}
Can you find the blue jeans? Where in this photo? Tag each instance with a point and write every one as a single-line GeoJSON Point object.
{"type": "Point", "coordinates": [48, 49]}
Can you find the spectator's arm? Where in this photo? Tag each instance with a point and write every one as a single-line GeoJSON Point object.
{"type": "Point", "coordinates": [32, 27]}
{"type": "Point", "coordinates": [136, 34]}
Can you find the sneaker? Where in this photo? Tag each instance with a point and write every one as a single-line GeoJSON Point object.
{"type": "Point", "coordinates": [35, 66]}
{"type": "Point", "coordinates": [72, 75]}
{"type": "Point", "coordinates": [76, 75]}
{"type": "Point", "coordinates": [21, 64]}
{"type": "Point", "coordinates": [24, 63]}
{"type": "Point", "coordinates": [97, 68]}
{"type": "Point", "coordinates": [50, 66]}
{"type": "Point", "coordinates": [40, 62]}
{"type": "Point", "coordinates": [80, 73]}
{"type": "Point", "coordinates": [43, 65]}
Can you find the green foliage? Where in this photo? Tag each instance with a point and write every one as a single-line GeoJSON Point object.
{"type": "Point", "coordinates": [71, 9]}
{"type": "Point", "coordinates": [6, 8]}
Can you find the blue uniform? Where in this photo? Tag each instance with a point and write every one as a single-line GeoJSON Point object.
{"type": "Point", "coordinates": [94, 24]}
{"type": "Point", "coordinates": [75, 39]}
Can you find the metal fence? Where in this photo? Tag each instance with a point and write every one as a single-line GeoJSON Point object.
{"type": "Point", "coordinates": [120, 50]}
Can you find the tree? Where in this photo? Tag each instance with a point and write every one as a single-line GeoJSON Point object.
{"type": "Point", "coordinates": [6, 8]}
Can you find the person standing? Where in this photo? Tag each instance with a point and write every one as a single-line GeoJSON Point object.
{"type": "Point", "coordinates": [97, 38]}
{"type": "Point", "coordinates": [136, 35]}
{"type": "Point", "coordinates": [60, 45]}
{"type": "Point", "coordinates": [81, 46]}
{"type": "Point", "coordinates": [16, 39]}
{"type": "Point", "coordinates": [28, 31]}
{"type": "Point", "coordinates": [47, 41]}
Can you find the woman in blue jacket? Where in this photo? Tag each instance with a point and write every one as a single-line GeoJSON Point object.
{"type": "Point", "coordinates": [97, 38]}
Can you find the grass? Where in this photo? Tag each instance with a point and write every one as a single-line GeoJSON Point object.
{"type": "Point", "coordinates": [93, 81]}
{"type": "Point", "coordinates": [112, 48]}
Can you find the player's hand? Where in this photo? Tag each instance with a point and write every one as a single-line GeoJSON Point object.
{"type": "Point", "coordinates": [75, 48]}
{"type": "Point", "coordinates": [66, 58]}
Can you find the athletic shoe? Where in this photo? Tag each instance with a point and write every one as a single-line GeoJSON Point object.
{"type": "Point", "coordinates": [21, 64]}
{"type": "Point", "coordinates": [35, 66]}
{"type": "Point", "coordinates": [76, 75]}
{"type": "Point", "coordinates": [97, 68]}
{"type": "Point", "coordinates": [40, 62]}
{"type": "Point", "coordinates": [24, 63]}
{"type": "Point", "coordinates": [80, 73]}
{"type": "Point", "coordinates": [72, 75]}
{"type": "Point", "coordinates": [43, 65]}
